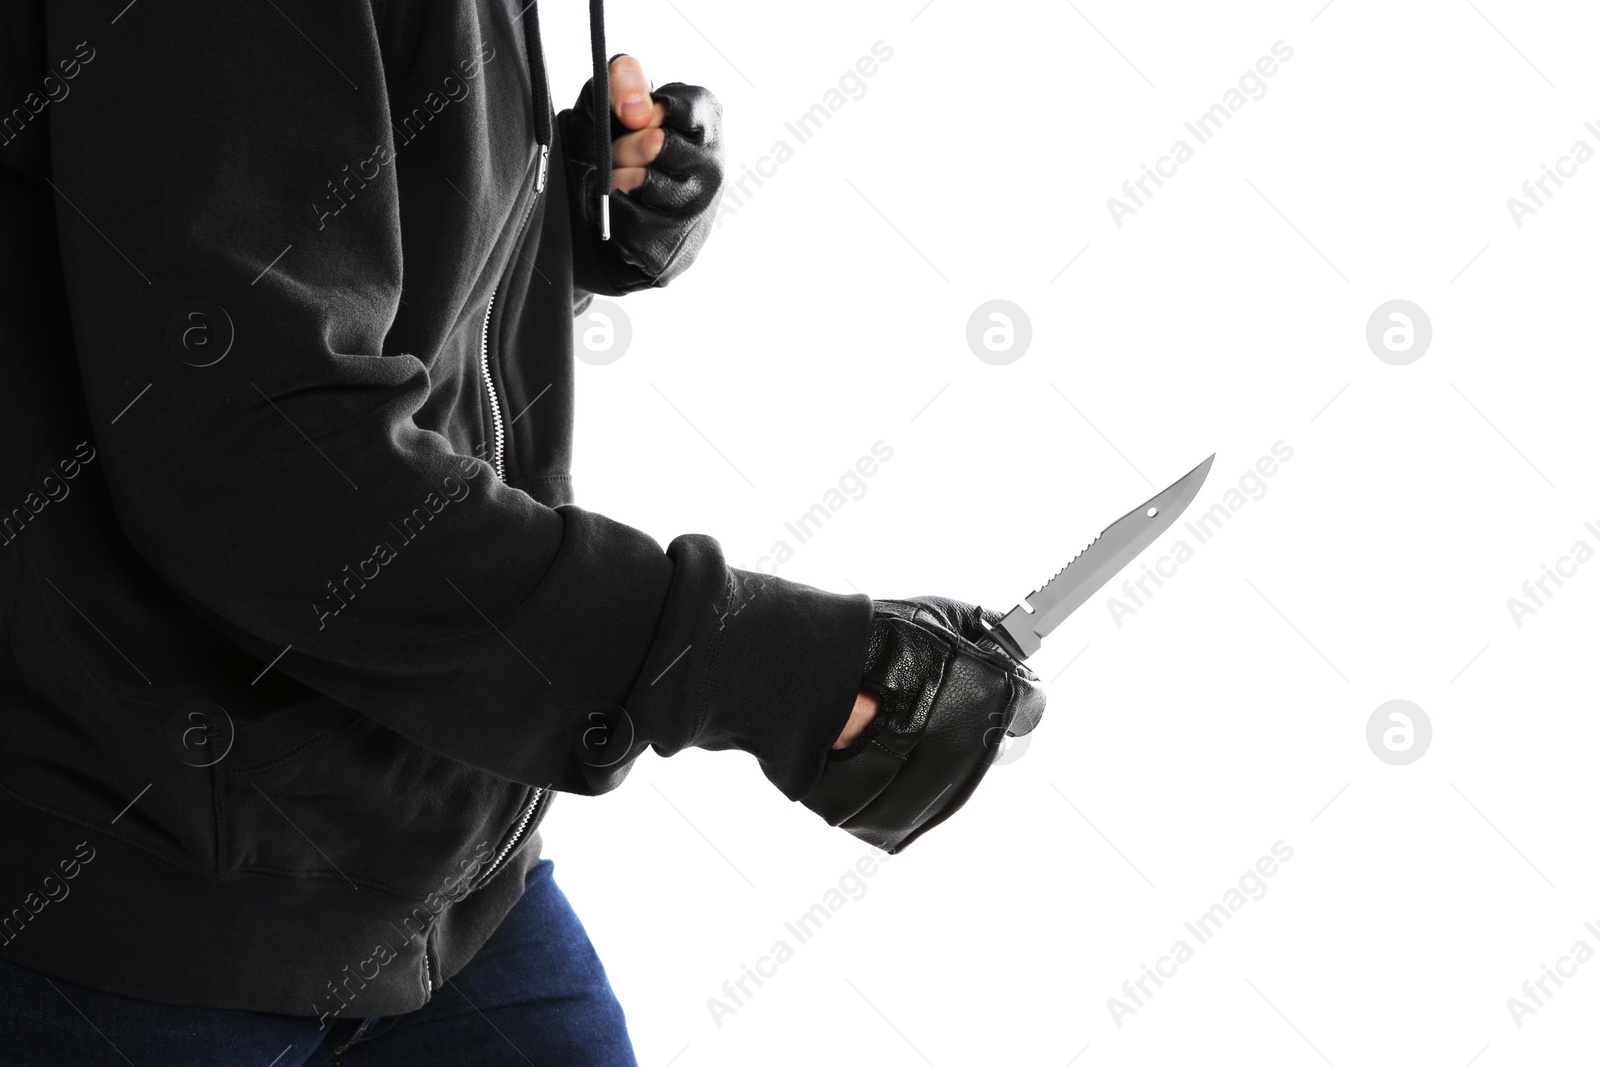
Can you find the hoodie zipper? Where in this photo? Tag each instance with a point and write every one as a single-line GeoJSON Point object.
{"type": "Point", "coordinates": [546, 133]}
{"type": "Point", "coordinates": [494, 397]}
{"type": "Point", "coordinates": [516, 837]}
{"type": "Point", "coordinates": [498, 415]}
{"type": "Point", "coordinates": [496, 412]}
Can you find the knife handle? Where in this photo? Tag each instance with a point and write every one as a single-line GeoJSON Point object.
{"type": "Point", "coordinates": [1014, 634]}
{"type": "Point", "coordinates": [1001, 637]}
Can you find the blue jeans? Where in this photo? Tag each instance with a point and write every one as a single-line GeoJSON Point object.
{"type": "Point", "coordinates": [535, 993]}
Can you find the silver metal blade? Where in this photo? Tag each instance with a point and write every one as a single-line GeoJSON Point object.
{"type": "Point", "coordinates": [1114, 549]}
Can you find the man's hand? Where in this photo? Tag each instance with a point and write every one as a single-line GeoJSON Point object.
{"type": "Point", "coordinates": [665, 180]}
{"type": "Point", "coordinates": [867, 705]}
{"type": "Point", "coordinates": [949, 695]}
{"type": "Point", "coordinates": [631, 103]}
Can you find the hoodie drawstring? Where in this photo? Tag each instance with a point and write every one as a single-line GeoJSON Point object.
{"type": "Point", "coordinates": [600, 103]}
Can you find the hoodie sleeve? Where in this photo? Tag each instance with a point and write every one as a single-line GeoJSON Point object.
{"type": "Point", "coordinates": [269, 488]}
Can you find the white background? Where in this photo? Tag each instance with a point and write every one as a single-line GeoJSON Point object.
{"type": "Point", "coordinates": [1227, 713]}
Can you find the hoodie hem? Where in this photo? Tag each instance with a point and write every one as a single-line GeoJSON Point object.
{"type": "Point", "coordinates": [125, 922]}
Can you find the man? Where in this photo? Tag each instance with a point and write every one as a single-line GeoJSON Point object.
{"type": "Point", "coordinates": [302, 628]}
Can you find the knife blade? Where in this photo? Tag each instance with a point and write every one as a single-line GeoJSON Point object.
{"type": "Point", "coordinates": [1041, 611]}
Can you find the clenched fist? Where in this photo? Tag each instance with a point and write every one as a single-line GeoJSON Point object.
{"type": "Point", "coordinates": [949, 695]}
{"type": "Point", "coordinates": [666, 174]}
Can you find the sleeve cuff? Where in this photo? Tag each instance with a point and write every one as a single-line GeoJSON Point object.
{"type": "Point", "coordinates": [772, 668]}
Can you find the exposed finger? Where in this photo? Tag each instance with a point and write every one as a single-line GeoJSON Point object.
{"type": "Point", "coordinates": [627, 179]}
{"type": "Point", "coordinates": [637, 149]}
{"type": "Point", "coordinates": [658, 117]}
{"type": "Point", "coordinates": [630, 92]}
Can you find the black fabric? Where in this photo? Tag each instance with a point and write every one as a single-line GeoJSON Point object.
{"type": "Point", "coordinates": [949, 696]}
{"type": "Point", "coordinates": [310, 534]}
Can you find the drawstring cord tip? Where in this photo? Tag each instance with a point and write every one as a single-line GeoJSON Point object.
{"type": "Point", "coordinates": [601, 103]}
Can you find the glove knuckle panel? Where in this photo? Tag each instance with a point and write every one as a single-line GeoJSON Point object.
{"type": "Point", "coordinates": [692, 110]}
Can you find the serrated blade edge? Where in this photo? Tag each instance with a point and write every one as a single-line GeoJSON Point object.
{"type": "Point", "coordinates": [1100, 560]}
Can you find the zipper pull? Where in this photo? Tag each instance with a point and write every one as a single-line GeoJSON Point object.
{"type": "Point", "coordinates": [544, 168]}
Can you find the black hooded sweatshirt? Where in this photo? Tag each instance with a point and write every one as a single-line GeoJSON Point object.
{"type": "Point", "coordinates": [286, 366]}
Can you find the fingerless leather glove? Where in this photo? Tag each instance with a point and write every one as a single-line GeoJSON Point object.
{"type": "Point", "coordinates": [950, 694]}
{"type": "Point", "coordinates": [657, 229]}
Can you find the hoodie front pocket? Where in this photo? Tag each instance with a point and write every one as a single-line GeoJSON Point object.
{"type": "Point", "coordinates": [363, 804]}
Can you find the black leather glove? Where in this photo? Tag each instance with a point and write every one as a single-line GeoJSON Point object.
{"type": "Point", "coordinates": [657, 229]}
{"type": "Point", "coordinates": [950, 694]}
